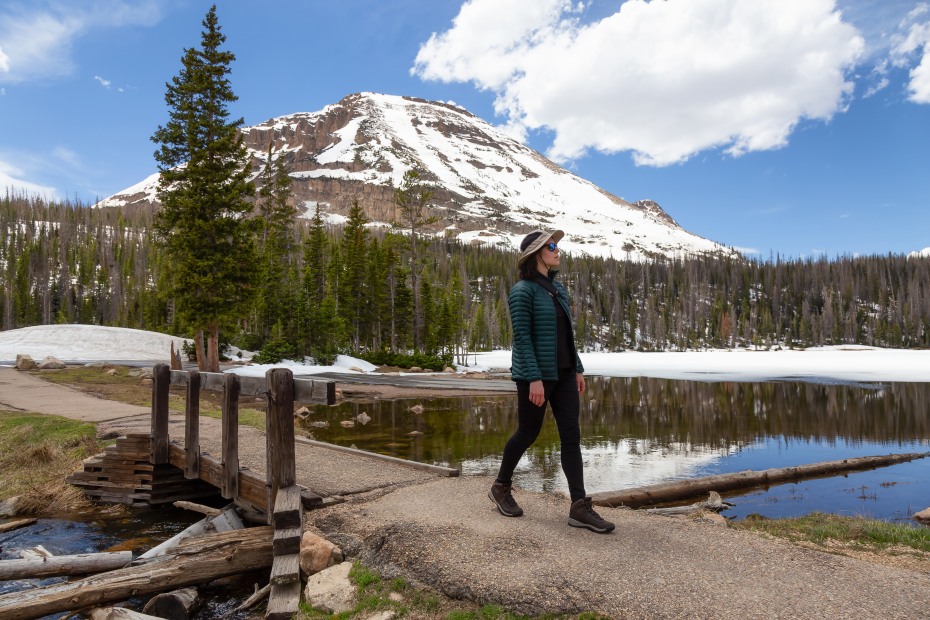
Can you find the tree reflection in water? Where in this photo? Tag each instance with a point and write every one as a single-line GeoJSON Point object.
{"type": "Point", "coordinates": [638, 431]}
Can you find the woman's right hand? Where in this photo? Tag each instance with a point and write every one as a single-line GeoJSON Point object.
{"type": "Point", "coordinates": [537, 393]}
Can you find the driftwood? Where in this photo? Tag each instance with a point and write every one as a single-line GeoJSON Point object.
{"type": "Point", "coordinates": [204, 510]}
{"type": "Point", "coordinates": [195, 560]}
{"type": "Point", "coordinates": [714, 503]}
{"type": "Point", "coordinates": [178, 604]}
{"type": "Point", "coordinates": [226, 521]}
{"type": "Point", "coordinates": [118, 613]}
{"type": "Point", "coordinates": [684, 489]}
{"type": "Point", "coordinates": [257, 596]}
{"type": "Point", "coordinates": [57, 565]}
{"type": "Point", "coordinates": [15, 525]}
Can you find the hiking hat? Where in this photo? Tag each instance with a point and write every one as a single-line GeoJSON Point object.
{"type": "Point", "coordinates": [534, 241]}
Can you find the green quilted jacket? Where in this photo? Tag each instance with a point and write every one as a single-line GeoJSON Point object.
{"type": "Point", "coordinates": [533, 319]}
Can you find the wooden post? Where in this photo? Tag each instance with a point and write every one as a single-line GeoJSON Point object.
{"type": "Point", "coordinates": [279, 424]}
{"type": "Point", "coordinates": [192, 427]}
{"type": "Point", "coordinates": [230, 489]}
{"type": "Point", "coordinates": [161, 380]}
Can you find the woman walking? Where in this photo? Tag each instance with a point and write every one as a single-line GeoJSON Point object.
{"type": "Point", "coordinates": [546, 368]}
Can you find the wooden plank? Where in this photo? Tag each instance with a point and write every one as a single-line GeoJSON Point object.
{"type": "Point", "coordinates": [285, 569]}
{"type": "Point", "coordinates": [288, 510]}
{"type": "Point", "coordinates": [192, 426]}
{"type": "Point", "coordinates": [287, 541]}
{"type": "Point", "coordinates": [230, 481]}
{"type": "Point", "coordinates": [283, 601]}
{"type": "Point", "coordinates": [161, 378]}
{"type": "Point", "coordinates": [315, 391]}
{"type": "Point", "coordinates": [437, 469]}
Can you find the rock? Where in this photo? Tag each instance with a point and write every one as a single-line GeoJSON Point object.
{"type": "Point", "coordinates": [147, 382]}
{"type": "Point", "coordinates": [386, 614]}
{"type": "Point", "coordinates": [448, 369]}
{"type": "Point", "coordinates": [347, 423]}
{"type": "Point", "coordinates": [8, 506]}
{"type": "Point", "coordinates": [319, 424]}
{"type": "Point", "coordinates": [397, 597]}
{"type": "Point", "coordinates": [111, 372]}
{"type": "Point", "coordinates": [414, 433]}
{"type": "Point", "coordinates": [51, 362]}
{"type": "Point", "coordinates": [356, 369]}
{"type": "Point", "coordinates": [417, 409]}
{"type": "Point", "coordinates": [303, 412]}
{"type": "Point", "coordinates": [415, 369]}
{"type": "Point", "coordinates": [923, 515]}
{"type": "Point", "coordinates": [25, 362]}
{"type": "Point", "coordinates": [330, 590]}
{"type": "Point", "coordinates": [716, 519]}
{"type": "Point", "coordinates": [363, 418]}
{"type": "Point", "coordinates": [317, 553]}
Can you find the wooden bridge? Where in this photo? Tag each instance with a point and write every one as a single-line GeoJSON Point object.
{"type": "Point", "coordinates": [150, 469]}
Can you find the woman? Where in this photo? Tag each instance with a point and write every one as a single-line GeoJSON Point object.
{"type": "Point", "coordinates": [546, 368]}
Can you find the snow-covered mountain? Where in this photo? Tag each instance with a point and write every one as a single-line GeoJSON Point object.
{"type": "Point", "coordinates": [489, 188]}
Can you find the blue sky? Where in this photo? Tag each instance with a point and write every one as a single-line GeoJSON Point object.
{"type": "Point", "coordinates": [790, 127]}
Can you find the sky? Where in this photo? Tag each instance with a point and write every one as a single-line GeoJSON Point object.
{"type": "Point", "coordinates": [792, 128]}
{"type": "Point", "coordinates": [847, 363]}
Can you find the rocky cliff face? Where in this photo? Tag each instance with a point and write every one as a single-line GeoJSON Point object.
{"type": "Point", "coordinates": [488, 187]}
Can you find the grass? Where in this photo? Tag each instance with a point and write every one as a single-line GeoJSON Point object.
{"type": "Point", "coordinates": [377, 594]}
{"type": "Point", "coordinates": [37, 452]}
{"type": "Point", "coordinates": [115, 383]}
{"type": "Point", "coordinates": [827, 530]}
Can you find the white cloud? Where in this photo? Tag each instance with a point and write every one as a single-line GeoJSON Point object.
{"type": "Point", "coordinates": [10, 180]}
{"type": "Point", "coordinates": [38, 38]}
{"type": "Point", "coordinates": [103, 82]}
{"type": "Point", "coordinates": [664, 80]}
{"type": "Point", "coordinates": [915, 43]}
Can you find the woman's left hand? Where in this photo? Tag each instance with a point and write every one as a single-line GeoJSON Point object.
{"type": "Point", "coordinates": [580, 379]}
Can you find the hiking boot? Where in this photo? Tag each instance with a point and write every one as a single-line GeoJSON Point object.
{"type": "Point", "coordinates": [500, 495]}
{"type": "Point", "coordinates": [582, 514]}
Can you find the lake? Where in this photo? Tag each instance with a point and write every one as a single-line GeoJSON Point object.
{"type": "Point", "coordinates": [639, 431]}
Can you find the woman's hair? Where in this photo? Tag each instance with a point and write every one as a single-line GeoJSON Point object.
{"type": "Point", "coordinates": [527, 269]}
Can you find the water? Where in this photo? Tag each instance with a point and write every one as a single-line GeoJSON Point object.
{"type": "Point", "coordinates": [639, 431]}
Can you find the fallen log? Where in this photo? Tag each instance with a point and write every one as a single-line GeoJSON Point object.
{"type": "Point", "coordinates": [15, 525]}
{"type": "Point", "coordinates": [257, 596]}
{"type": "Point", "coordinates": [118, 613]}
{"type": "Point", "coordinates": [194, 560]}
{"type": "Point", "coordinates": [58, 565]}
{"type": "Point", "coordinates": [685, 489]}
{"type": "Point", "coordinates": [204, 510]}
{"type": "Point", "coordinates": [178, 604]}
{"type": "Point", "coordinates": [714, 503]}
{"type": "Point", "coordinates": [225, 521]}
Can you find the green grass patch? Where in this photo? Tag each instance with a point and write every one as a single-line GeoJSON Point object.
{"type": "Point", "coordinates": [87, 375]}
{"type": "Point", "coordinates": [17, 429]}
{"type": "Point", "coordinates": [822, 529]}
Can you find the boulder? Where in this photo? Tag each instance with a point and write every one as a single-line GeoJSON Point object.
{"type": "Point", "coordinates": [8, 506]}
{"type": "Point", "coordinates": [415, 369]}
{"type": "Point", "coordinates": [363, 418]}
{"type": "Point", "coordinates": [317, 554]}
{"type": "Point", "coordinates": [449, 369]}
{"type": "Point", "coordinates": [51, 362]}
{"type": "Point", "coordinates": [303, 412]}
{"type": "Point", "coordinates": [25, 362]}
{"type": "Point", "coordinates": [330, 590]}
{"type": "Point", "coordinates": [923, 515]}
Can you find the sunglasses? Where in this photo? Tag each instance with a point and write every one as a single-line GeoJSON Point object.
{"type": "Point", "coordinates": [552, 246]}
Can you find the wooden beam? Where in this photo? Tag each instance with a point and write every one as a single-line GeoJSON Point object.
{"type": "Point", "coordinates": [192, 426]}
{"type": "Point", "coordinates": [230, 483]}
{"type": "Point", "coordinates": [161, 378]}
{"type": "Point", "coordinates": [311, 391]}
{"type": "Point", "coordinates": [282, 469]}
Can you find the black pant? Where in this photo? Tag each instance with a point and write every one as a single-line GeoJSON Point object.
{"type": "Point", "coordinates": [562, 395]}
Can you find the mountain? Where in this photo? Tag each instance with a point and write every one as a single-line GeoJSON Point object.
{"type": "Point", "coordinates": [489, 188]}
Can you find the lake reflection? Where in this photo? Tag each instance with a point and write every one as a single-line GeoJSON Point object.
{"type": "Point", "coordinates": [638, 431]}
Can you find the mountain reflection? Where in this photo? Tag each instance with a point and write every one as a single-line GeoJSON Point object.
{"type": "Point", "coordinates": [641, 430]}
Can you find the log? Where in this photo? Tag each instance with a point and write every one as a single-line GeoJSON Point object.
{"type": "Point", "coordinates": [684, 489]}
{"type": "Point", "coordinates": [196, 560]}
{"type": "Point", "coordinates": [226, 521]}
{"type": "Point", "coordinates": [177, 605]}
{"type": "Point", "coordinates": [714, 503]}
{"type": "Point", "coordinates": [9, 526]}
{"type": "Point", "coordinates": [257, 596]}
{"type": "Point", "coordinates": [118, 613]}
{"type": "Point", "coordinates": [58, 565]}
{"type": "Point", "coordinates": [204, 510]}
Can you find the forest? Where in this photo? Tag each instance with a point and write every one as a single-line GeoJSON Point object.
{"type": "Point", "coordinates": [323, 290]}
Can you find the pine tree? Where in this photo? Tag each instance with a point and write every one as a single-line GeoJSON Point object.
{"type": "Point", "coordinates": [353, 285]}
{"type": "Point", "coordinates": [204, 189]}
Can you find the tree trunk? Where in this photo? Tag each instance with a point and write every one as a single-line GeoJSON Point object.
{"type": "Point", "coordinates": [57, 565]}
{"type": "Point", "coordinates": [684, 489]}
{"type": "Point", "coordinates": [196, 560]}
{"type": "Point", "coordinates": [201, 354]}
{"type": "Point", "coordinates": [213, 349]}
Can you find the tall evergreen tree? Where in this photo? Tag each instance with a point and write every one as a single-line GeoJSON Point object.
{"type": "Point", "coordinates": [204, 189]}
